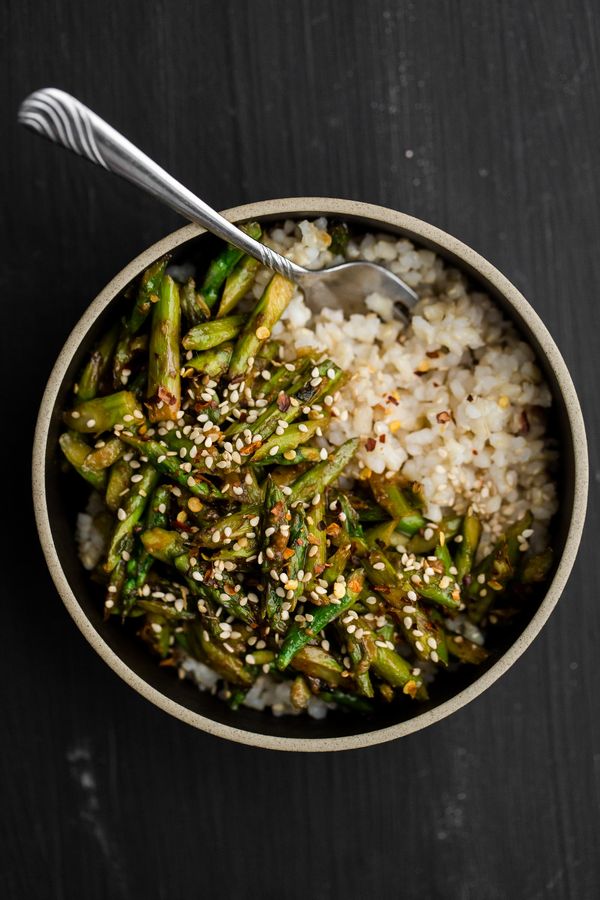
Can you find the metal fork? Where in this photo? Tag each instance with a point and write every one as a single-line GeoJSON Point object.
{"type": "Point", "coordinates": [64, 120]}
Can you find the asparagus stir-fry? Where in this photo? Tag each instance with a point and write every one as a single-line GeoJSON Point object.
{"type": "Point", "coordinates": [237, 540]}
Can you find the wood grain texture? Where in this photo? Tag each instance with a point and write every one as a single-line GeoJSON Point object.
{"type": "Point", "coordinates": [102, 795]}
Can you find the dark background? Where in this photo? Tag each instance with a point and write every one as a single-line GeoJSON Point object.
{"type": "Point", "coordinates": [105, 796]}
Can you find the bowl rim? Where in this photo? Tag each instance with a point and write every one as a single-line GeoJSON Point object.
{"type": "Point", "coordinates": [292, 207]}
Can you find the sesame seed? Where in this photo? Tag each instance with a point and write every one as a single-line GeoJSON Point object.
{"type": "Point", "coordinates": [323, 453]}
{"type": "Point", "coordinates": [136, 478]}
{"type": "Point", "coordinates": [90, 423]}
{"type": "Point", "coordinates": [121, 514]}
{"type": "Point", "coordinates": [419, 646]}
{"type": "Point", "coordinates": [379, 566]}
{"type": "Point", "coordinates": [431, 642]}
{"type": "Point", "coordinates": [407, 622]}
{"type": "Point", "coordinates": [109, 604]}
{"type": "Point", "coordinates": [274, 450]}
{"type": "Point", "coordinates": [434, 656]}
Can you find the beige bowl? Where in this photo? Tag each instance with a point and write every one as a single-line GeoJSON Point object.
{"type": "Point", "coordinates": [56, 508]}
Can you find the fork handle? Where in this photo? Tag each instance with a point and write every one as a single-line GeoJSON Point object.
{"type": "Point", "coordinates": [64, 120]}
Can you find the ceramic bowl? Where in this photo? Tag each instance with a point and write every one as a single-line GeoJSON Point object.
{"type": "Point", "coordinates": [56, 506]}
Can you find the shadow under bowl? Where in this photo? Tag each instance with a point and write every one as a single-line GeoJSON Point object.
{"type": "Point", "coordinates": [57, 501]}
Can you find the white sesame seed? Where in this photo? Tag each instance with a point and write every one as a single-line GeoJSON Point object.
{"type": "Point", "coordinates": [379, 565]}
{"type": "Point", "coordinates": [419, 646]}
{"type": "Point", "coordinates": [121, 514]}
{"type": "Point", "coordinates": [90, 423]}
{"type": "Point", "coordinates": [434, 656]}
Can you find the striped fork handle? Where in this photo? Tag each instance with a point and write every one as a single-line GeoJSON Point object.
{"type": "Point", "coordinates": [64, 120]}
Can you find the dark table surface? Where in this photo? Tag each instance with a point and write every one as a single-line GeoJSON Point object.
{"type": "Point", "coordinates": [105, 796]}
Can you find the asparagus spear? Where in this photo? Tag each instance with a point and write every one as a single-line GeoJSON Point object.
{"type": "Point", "coordinates": [118, 484]}
{"type": "Point", "coordinates": [148, 293]}
{"type": "Point", "coordinates": [97, 365]}
{"type": "Point", "coordinates": [103, 457]}
{"type": "Point", "coordinates": [156, 517]}
{"type": "Point", "coordinates": [103, 413]}
{"type": "Point", "coordinates": [276, 533]}
{"type": "Point", "coordinates": [421, 544]}
{"type": "Point", "coordinates": [164, 385]}
{"type": "Point", "coordinates": [317, 663]}
{"type": "Point", "coordinates": [212, 334]}
{"type": "Point", "coordinates": [467, 547]}
{"type": "Point", "coordinates": [314, 563]}
{"type": "Point", "coordinates": [193, 305]}
{"type": "Point", "coordinates": [257, 330]}
{"type": "Point", "coordinates": [212, 363]}
{"type": "Point", "coordinates": [238, 284]}
{"type": "Point", "coordinates": [130, 512]}
{"type": "Point", "coordinates": [77, 452]}
{"type": "Point", "coordinates": [221, 267]}
{"type": "Point", "coordinates": [288, 440]}
{"type": "Point", "coordinates": [314, 481]}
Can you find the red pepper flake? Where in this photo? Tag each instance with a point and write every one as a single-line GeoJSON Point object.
{"type": "Point", "coordinates": [433, 354]}
{"type": "Point", "coordinates": [370, 444]}
{"type": "Point", "coordinates": [470, 398]}
{"type": "Point", "coordinates": [393, 400]}
{"type": "Point", "coordinates": [283, 401]}
{"type": "Point", "coordinates": [382, 438]}
{"type": "Point", "coordinates": [443, 417]}
{"type": "Point", "coordinates": [523, 423]}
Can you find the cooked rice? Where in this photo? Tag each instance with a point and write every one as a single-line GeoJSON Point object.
{"type": "Point", "coordinates": [454, 401]}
